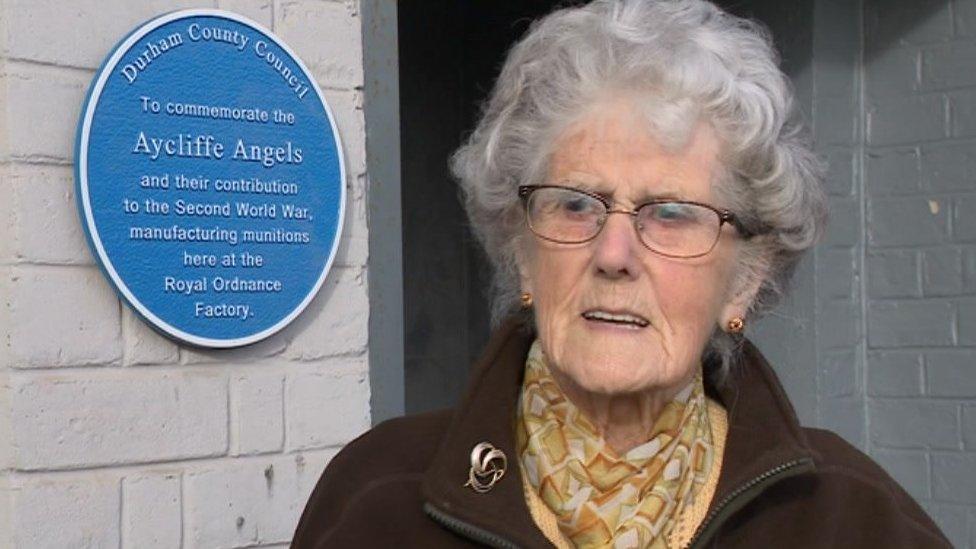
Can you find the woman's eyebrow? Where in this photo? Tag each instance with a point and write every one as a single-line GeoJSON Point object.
{"type": "Point", "coordinates": [600, 187]}
{"type": "Point", "coordinates": [658, 196]}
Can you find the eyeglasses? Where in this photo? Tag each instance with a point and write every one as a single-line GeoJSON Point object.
{"type": "Point", "coordinates": [672, 228]}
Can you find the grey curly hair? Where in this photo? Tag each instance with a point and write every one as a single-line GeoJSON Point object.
{"type": "Point", "coordinates": [686, 60]}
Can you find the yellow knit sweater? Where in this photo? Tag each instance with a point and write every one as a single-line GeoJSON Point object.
{"type": "Point", "coordinates": [689, 520]}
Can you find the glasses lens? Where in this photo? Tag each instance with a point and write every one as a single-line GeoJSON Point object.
{"type": "Point", "coordinates": [678, 229]}
{"type": "Point", "coordinates": [564, 215]}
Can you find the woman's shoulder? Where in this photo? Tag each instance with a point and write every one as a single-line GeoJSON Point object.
{"type": "Point", "coordinates": [844, 463]}
{"type": "Point", "coordinates": [382, 469]}
{"type": "Point", "coordinates": [395, 446]}
{"type": "Point", "coordinates": [858, 497]}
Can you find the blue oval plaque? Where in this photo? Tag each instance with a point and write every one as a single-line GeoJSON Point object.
{"type": "Point", "coordinates": [210, 177]}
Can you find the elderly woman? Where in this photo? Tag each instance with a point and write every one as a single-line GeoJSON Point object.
{"type": "Point", "coordinates": [639, 183]}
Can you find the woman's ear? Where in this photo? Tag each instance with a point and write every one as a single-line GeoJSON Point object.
{"type": "Point", "coordinates": [743, 291]}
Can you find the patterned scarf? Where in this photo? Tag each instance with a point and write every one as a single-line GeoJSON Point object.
{"type": "Point", "coordinates": [599, 498]}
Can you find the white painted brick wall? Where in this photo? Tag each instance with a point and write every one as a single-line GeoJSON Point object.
{"type": "Point", "coordinates": [62, 422]}
{"type": "Point", "coordinates": [67, 514]}
{"type": "Point", "coordinates": [110, 434]}
{"type": "Point", "coordinates": [257, 413]}
{"type": "Point", "coordinates": [151, 513]}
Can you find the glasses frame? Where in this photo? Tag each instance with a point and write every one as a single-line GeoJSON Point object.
{"type": "Point", "coordinates": [724, 216]}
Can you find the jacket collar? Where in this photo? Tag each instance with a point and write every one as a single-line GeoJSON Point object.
{"type": "Point", "coordinates": [763, 434]}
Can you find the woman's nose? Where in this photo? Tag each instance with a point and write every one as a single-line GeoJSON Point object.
{"type": "Point", "coordinates": [617, 247]}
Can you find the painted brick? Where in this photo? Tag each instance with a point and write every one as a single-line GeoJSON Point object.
{"type": "Point", "coordinates": [143, 345]}
{"type": "Point", "coordinates": [972, 527]}
{"type": "Point", "coordinates": [969, 427]}
{"type": "Point", "coordinates": [257, 413]}
{"type": "Point", "coordinates": [964, 13]}
{"type": "Point", "coordinates": [354, 245]}
{"type": "Point", "coordinates": [950, 373]}
{"type": "Point", "coordinates": [916, 22]}
{"type": "Point", "coordinates": [42, 335]}
{"type": "Point", "coordinates": [969, 269]}
{"type": "Point", "coordinates": [6, 450]}
{"type": "Point", "coordinates": [270, 347]}
{"type": "Point", "coordinates": [60, 422]}
{"type": "Point", "coordinates": [962, 113]}
{"type": "Point", "coordinates": [898, 120]}
{"type": "Point", "coordinates": [907, 221]}
{"type": "Point", "coordinates": [336, 321]}
{"type": "Point", "coordinates": [258, 11]}
{"type": "Point", "coordinates": [4, 100]}
{"type": "Point", "coordinates": [6, 513]}
{"type": "Point", "coordinates": [951, 519]}
{"type": "Point", "coordinates": [948, 66]}
{"type": "Point", "coordinates": [64, 314]}
{"type": "Point", "coordinates": [307, 426]}
{"type": "Point", "coordinates": [838, 324]}
{"type": "Point", "coordinates": [892, 71]}
{"type": "Point", "coordinates": [894, 373]}
{"type": "Point", "coordinates": [844, 416]}
{"type": "Point", "coordinates": [966, 324]}
{"type": "Point", "coordinates": [844, 31]}
{"type": "Point", "coordinates": [835, 69]}
{"type": "Point", "coordinates": [914, 424]}
{"type": "Point", "coordinates": [74, 36]}
{"type": "Point", "coordinates": [893, 273]}
{"type": "Point", "coordinates": [892, 171]}
{"type": "Point", "coordinates": [909, 323]}
{"type": "Point", "coordinates": [836, 273]}
{"type": "Point", "coordinates": [942, 272]}
{"type": "Point", "coordinates": [947, 167]}
{"type": "Point", "coordinates": [347, 107]}
{"type": "Point", "coordinates": [67, 514]}
{"type": "Point", "coordinates": [952, 477]}
{"type": "Point", "coordinates": [844, 229]}
{"type": "Point", "coordinates": [909, 468]}
{"type": "Point", "coordinates": [964, 219]}
{"type": "Point", "coordinates": [249, 503]}
{"type": "Point", "coordinates": [48, 104]}
{"type": "Point", "coordinates": [152, 516]}
{"type": "Point", "coordinates": [839, 374]}
{"type": "Point", "coordinates": [333, 53]}
{"type": "Point", "coordinates": [839, 128]}
{"type": "Point", "coordinates": [9, 249]}
{"type": "Point", "coordinates": [839, 180]}
{"type": "Point", "coordinates": [42, 217]}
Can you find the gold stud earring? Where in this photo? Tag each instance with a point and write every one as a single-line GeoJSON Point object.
{"type": "Point", "coordinates": [736, 324]}
{"type": "Point", "coordinates": [526, 298]}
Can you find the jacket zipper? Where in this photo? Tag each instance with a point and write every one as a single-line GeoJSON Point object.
{"type": "Point", "coordinates": [467, 529]}
{"type": "Point", "coordinates": [765, 478]}
{"type": "Point", "coordinates": [491, 539]}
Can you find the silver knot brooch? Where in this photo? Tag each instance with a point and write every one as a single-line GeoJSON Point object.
{"type": "Point", "coordinates": [487, 467]}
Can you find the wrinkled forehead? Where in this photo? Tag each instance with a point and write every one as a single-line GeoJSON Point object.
{"type": "Point", "coordinates": [615, 148]}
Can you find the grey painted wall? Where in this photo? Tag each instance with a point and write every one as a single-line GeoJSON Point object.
{"type": "Point", "coordinates": [382, 117]}
{"type": "Point", "coordinates": [886, 306]}
{"type": "Point", "coordinates": [918, 206]}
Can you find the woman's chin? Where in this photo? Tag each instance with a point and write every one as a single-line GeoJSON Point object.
{"type": "Point", "coordinates": [610, 374]}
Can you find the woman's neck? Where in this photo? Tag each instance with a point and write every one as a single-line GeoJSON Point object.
{"type": "Point", "coordinates": [624, 420]}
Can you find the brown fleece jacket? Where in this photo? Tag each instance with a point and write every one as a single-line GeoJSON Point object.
{"type": "Point", "coordinates": [781, 485]}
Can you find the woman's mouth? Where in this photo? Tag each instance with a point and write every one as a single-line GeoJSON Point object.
{"type": "Point", "coordinates": [621, 319]}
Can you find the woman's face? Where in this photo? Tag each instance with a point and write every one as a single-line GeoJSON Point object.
{"type": "Point", "coordinates": [676, 303]}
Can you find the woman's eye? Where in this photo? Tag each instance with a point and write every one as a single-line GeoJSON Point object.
{"type": "Point", "coordinates": [576, 205]}
{"type": "Point", "coordinates": [672, 212]}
